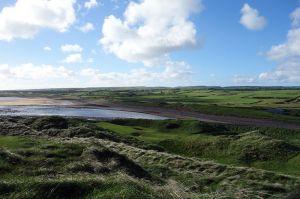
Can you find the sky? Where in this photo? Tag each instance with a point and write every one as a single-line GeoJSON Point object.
{"type": "Point", "coordinates": [113, 43]}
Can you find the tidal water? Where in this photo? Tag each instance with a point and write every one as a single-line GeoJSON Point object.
{"type": "Point", "coordinates": [9, 98]}
{"type": "Point", "coordinates": [82, 112]}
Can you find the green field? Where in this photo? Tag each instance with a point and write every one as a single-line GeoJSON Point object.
{"type": "Point", "coordinates": [270, 104]}
{"type": "Point", "coordinates": [281, 104]}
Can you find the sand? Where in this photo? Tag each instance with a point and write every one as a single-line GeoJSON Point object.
{"type": "Point", "coordinates": [15, 101]}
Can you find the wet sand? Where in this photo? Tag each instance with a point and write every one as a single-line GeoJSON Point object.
{"type": "Point", "coordinates": [181, 114]}
{"type": "Point", "coordinates": [17, 101]}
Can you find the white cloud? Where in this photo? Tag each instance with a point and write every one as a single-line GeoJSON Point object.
{"type": "Point", "coordinates": [26, 17]}
{"type": "Point", "coordinates": [73, 58]}
{"type": "Point", "coordinates": [287, 55]}
{"type": "Point", "coordinates": [87, 27]}
{"type": "Point", "coordinates": [238, 79]}
{"type": "Point", "coordinates": [71, 48]}
{"type": "Point", "coordinates": [151, 30]}
{"type": "Point", "coordinates": [94, 52]}
{"type": "Point", "coordinates": [31, 72]}
{"type": "Point", "coordinates": [288, 72]}
{"type": "Point", "coordinates": [30, 76]}
{"type": "Point", "coordinates": [90, 60]}
{"type": "Point", "coordinates": [91, 4]}
{"type": "Point", "coordinates": [175, 73]}
{"type": "Point", "coordinates": [47, 48]}
{"type": "Point", "coordinates": [288, 50]}
{"type": "Point", "coordinates": [295, 16]}
{"type": "Point", "coordinates": [251, 18]}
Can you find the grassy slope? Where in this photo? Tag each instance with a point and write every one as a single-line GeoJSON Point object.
{"type": "Point", "coordinates": [271, 149]}
{"type": "Point", "coordinates": [52, 157]}
{"type": "Point", "coordinates": [56, 168]}
{"type": "Point", "coordinates": [44, 168]}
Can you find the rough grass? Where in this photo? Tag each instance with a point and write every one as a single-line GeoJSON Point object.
{"type": "Point", "coordinates": [49, 123]}
{"type": "Point", "coordinates": [51, 169]}
{"type": "Point", "coordinates": [241, 146]}
{"type": "Point", "coordinates": [44, 164]}
{"type": "Point", "coordinates": [86, 186]}
{"type": "Point", "coordinates": [151, 175]}
{"type": "Point", "coordinates": [202, 177]}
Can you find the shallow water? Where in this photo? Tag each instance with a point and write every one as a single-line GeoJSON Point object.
{"type": "Point", "coordinates": [73, 112]}
{"type": "Point", "coordinates": [10, 98]}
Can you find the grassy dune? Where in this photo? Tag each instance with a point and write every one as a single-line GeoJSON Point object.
{"type": "Point", "coordinates": [265, 148]}
{"type": "Point", "coordinates": [53, 157]}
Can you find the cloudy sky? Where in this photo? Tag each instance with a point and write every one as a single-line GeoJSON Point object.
{"type": "Point", "coordinates": [104, 43]}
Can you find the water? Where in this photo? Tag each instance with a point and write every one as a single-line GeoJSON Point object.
{"type": "Point", "coordinates": [9, 98]}
{"type": "Point", "coordinates": [73, 112]}
{"type": "Point", "coordinates": [277, 110]}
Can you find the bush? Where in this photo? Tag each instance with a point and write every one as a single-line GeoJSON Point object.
{"type": "Point", "coordinates": [52, 122]}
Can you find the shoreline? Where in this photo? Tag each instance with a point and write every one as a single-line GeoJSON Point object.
{"type": "Point", "coordinates": [159, 111]}
{"type": "Point", "coordinates": [180, 114]}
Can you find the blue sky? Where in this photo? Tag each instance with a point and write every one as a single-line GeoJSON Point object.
{"type": "Point", "coordinates": [148, 43]}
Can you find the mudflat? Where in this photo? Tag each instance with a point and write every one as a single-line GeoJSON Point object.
{"type": "Point", "coordinates": [160, 111]}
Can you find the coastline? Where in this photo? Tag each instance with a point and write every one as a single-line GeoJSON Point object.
{"type": "Point", "coordinates": [159, 111]}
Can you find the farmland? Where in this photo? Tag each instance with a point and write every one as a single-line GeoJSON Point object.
{"type": "Point", "coordinates": [281, 104]}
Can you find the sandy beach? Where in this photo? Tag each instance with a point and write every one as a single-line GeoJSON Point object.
{"type": "Point", "coordinates": [16, 101]}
